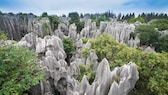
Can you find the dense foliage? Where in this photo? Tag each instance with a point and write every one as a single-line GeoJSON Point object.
{"type": "Point", "coordinates": [84, 40]}
{"type": "Point", "coordinates": [3, 36]}
{"type": "Point", "coordinates": [147, 34]}
{"type": "Point", "coordinates": [76, 19]}
{"type": "Point", "coordinates": [88, 71]}
{"type": "Point", "coordinates": [150, 16]}
{"type": "Point", "coordinates": [69, 48]}
{"type": "Point", "coordinates": [152, 67]}
{"type": "Point", "coordinates": [161, 24]}
{"type": "Point", "coordinates": [18, 70]}
{"type": "Point", "coordinates": [162, 44]}
{"type": "Point", "coordinates": [146, 16]}
{"type": "Point", "coordinates": [140, 19]}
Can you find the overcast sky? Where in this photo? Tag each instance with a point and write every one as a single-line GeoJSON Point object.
{"type": "Point", "coordinates": [60, 7]}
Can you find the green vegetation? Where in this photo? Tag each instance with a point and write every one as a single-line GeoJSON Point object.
{"type": "Point", "coordinates": [88, 71]}
{"type": "Point", "coordinates": [146, 16]}
{"type": "Point", "coordinates": [147, 34]}
{"type": "Point", "coordinates": [152, 67]}
{"type": "Point", "coordinates": [84, 40]}
{"type": "Point", "coordinates": [54, 20]}
{"type": "Point", "coordinates": [161, 24]}
{"type": "Point", "coordinates": [162, 44]}
{"type": "Point", "coordinates": [140, 19]}
{"type": "Point", "coordinates": [3, 36]}
{"type": "Point", "coordinates": [69, 48]}
{"type": "Point", "coordinates": [99, 19]}
{"type": "Point", "coordinates": [75, 19]}
{"type": "Point", "coordinates": [46, 29]}
{"type": "Point", "coordinates": [19, 70]}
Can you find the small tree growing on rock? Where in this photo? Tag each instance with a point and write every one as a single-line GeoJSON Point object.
{"type": "Point", "coordinates": [69, 48]}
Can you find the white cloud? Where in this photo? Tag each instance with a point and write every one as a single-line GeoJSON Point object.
{"type": "Point", "coordinates": [65, 6]}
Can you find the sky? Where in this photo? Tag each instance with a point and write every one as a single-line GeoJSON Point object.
{"type": "Point", "coordinates": [59, 7]}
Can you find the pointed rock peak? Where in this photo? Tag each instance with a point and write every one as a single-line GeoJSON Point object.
{"type": "Point", "coordinates": [104, 65]}
{"type": "Point", "coordinates": [104, 61]}
{"type": "Point", "coordinates": [103, 70]}
{"type": "Point", "coordinates": [114, 89]}
{"type": "Point", "coordinates": [85, 80]}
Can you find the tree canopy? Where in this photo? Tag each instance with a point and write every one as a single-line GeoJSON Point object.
{"type": "Point", "coordinates": [76, 19]}
{"type": "Point", "coordinates": [147, 34]}
{"type": "Point", "coordinates": [19, 70]}
{"type": "Point", "coordinates": [161, 24]}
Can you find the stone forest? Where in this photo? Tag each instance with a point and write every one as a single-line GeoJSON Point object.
{"type": "Point", "coordinates": [83, 54]}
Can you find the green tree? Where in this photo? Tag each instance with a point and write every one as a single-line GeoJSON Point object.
{"type": "Point", "coordinates": [161, 24]}
{"type": "Point", "coordinates": [54, 21]}
{"type": "Point", "coordinates": [76, 19]}
{"type": "Point", "coordinates": [162, 44]}
{"type": "Point", "coordinates": [44, 14]}
{"type": "Point", "coordinates": [147, 34]}
{"type": "Point", "coordinates": [69, 48]}
{"type": "Point", "coordinates": [140, 19]}
{"type": "Point", "coordinates": [19, 70]}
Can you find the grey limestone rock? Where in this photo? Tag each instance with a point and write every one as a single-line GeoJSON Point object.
{"type": "Point", "coordinates": [72, 31]}
{"type": "Point", "coordinates": [92, 59]}
{"type": "Point", "coordinates": [15, 26]}
{"type": "Point", "coordinates": [40, 27]}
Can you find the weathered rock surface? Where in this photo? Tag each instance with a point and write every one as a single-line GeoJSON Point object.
{"type": "Point", "coordinates": [40, 27]}
{"type": "Point", "coordinates": [15, 26]}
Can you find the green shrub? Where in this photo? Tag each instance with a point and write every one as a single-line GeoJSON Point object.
{"type": "Point", "coordinates": [69, 48]}
{"type": "Point", "coordinates": [18, 70]}
{"type": "Point", "coordinates": [161, 24]}
{"type": "Point", "coordinates": [87, 70]}
{"type": "Point", "coordinates": [152, 67]}
{"type": "Point", "coordinates": [3, 36]}
{"type": "Point", "coordinates": [46, 29]}
{"type": "Point", "coordinates": [84, 40]}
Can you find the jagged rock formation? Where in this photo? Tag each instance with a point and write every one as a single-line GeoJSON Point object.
{"type": "Point", "coordinates": [72, 32]}
{"type": "Point", "coordinates": [15, 26]}
{"type": "Point", "coordinates": [119, 30]}
{"type": "Point", "coordinates": [40, 27]}
{"type": "Point", "coordinates": [60, 79]}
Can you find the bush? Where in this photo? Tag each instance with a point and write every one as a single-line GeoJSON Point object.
{"type": "Point", "coordinates": [152, 67]}
{"type": "Point", "coordinates": [84, 40]}
{"type": "Point", "coordinates": [46, 29]}
{"type": "Point", "coordinates": [18, 70]}
{"type": "Point", "coordinates": [3, 36]}
{"type": "Point", "coordinates": [88, 71]}
{"type": "Point", "coordinates": [69, 48]}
